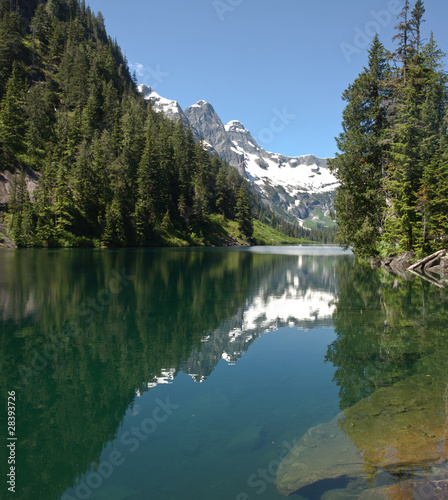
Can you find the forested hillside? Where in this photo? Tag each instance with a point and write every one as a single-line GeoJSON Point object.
{"type": "Point", "coordinates": [112, 171]}
{"type": "Point", "coordinates": [393, 165]}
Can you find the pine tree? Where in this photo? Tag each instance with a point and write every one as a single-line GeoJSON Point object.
{"type": "Point", "coordinates": [62, 210]}
{"type": "Point", "coordinates": [86, 188]}
{"type": "Point", "coordinates": [403, 37]}
{"type": "Point", "coordinates": [148, 206]}
{"type": "Point", "coordinates": [114, 231]}
{"type": "Point", "coordinates": [416, 24]}
{"type": "Point", "coordinates": [12, 128]}
{"type": "Point", "coordinates": [244, 213]}
{"type": "Point", "coordinates": [404, 168]}
{"type": "Point", "coordinates": [11, 45]}
{"type": "Point", "coordinates": [360, 199]}
{"type": "Point", "coordinates": [222, 193]}
{"type": "Point", "coordinates": [40, 120]}
{"type": "Point", "coordinates": [433, 200]}
{"type": "Point", "coordinates": [415, 134]}
{"type": "Point", "coordinates": [20, 212]}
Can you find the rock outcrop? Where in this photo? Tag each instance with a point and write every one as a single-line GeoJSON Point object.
{"type": "Point", "coordinates": [433, 268]}
{"type": "Point", "coordinates": [398, 433]}
{"type": "Point", "coordinates": [6, 177]}
{"type": "Point", "coordinates": [323, 453]}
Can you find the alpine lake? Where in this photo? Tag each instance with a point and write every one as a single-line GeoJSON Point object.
{"type": "Point", "coordinates": [220, 374]}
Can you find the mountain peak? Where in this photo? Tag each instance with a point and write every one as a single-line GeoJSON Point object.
{"type": "Point", "coordinates": [201, 104]}
{"type": "Point", "coordinates": [235, 126]}
{"type": "Point", "coordinates": [287, 184]}
{"type": "Point", "coordinates": [145, 90]}
{"type": "Point", "coordinates": [169, 107]}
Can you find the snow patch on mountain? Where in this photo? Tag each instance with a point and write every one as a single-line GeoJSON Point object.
{"type": "Point", "coordinates": [170, 108]}
{"type": "Point", "coordinates": [298, 188]}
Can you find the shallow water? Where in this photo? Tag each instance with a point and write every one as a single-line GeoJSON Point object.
{"type": "Point", "coordinates": [192, 373]}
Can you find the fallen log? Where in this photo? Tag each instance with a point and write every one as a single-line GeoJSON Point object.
{"type": "Point", "coordinates": [422, 262]}
{"type": "Point", "coordinates": [426, 277]}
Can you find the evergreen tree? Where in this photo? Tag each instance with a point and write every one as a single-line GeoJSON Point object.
{"type": "Point", "coordinates": [11, 45]}
{"type": "Point", "coordinates": [12, 126]}
{"type": "Point", "coordinates": [403, 38]}
{"type": "Point", "coordinates": [40, 119]}
{"type": "Point", "coordinates": [416, 24]}
{"type": "Point", "coordinates": [244, 213]}
{"type": "Point", "coordinates": [20, 212]}
{"type": "Point", "coordinates": [148, 206]}
{"type": "Point", "coordinates": [361, 200]}
{"type": "Point", "coordinates": [415, 134]}
{"type": "Point", "coordinates": [114, 232]}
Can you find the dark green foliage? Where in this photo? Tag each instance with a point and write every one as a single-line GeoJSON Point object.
{"type": "Point", "coordinates": [244, 213]}
{"type": "Point", "coordinates": [11, 43]}
{"type": "Point", "coordinates": [111, 169]}
{"type": "Point", "coordinates": [386, 329]}
{"type": "Point", "coordinates": [20, 212]}
{"type": "Point", "coordinates": [360, 200]}
{"type": "Point", "coordinates": [12, 126]}
{"type": "Point", "coordinates": [393, 163]}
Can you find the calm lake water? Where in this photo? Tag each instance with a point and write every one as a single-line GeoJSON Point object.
{"type": "Point", "coordinates": [178, 374]}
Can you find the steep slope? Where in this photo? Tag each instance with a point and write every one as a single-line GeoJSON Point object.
{"type": "Point", "coordinates": [170, 108]}
{"type": "Point", "coordinates": [301, 189]}
{"type": "Point", "coordinates": [204, 119]}
{"type": "Point", "coordinates": [84, 160]}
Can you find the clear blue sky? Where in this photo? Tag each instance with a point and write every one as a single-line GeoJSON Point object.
{"type": "Point", "coordinates": [278, 66]}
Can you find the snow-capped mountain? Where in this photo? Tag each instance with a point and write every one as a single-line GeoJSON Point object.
{"type": "Point", "coordinates": [207, 124]}
{"type": "Point", "coordinates": [293, 294]}
{"type": "Point", "coordinates": [299, 188]}
{"type": "Point", "coordinates": [169, 107]}
{"type": "Point", "coordinates": [302, 186]}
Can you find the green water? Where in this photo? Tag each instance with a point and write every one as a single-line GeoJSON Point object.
{"type": "Point", "coordinates": [189, 374]}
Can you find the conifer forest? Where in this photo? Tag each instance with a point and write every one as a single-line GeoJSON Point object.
{"type": "Point", "coordinates": [393, 160]}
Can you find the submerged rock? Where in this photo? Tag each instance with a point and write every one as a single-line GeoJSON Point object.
{"type": "Point", "coordinates": [401, 427]}
{"type": "Point", "coordinates": [247, 439]}
{"type": "Point", "coordinates": [433, 489]}
{"type": "Point", "coordinates": [397, 434]}
{"type": "Point", "coordinates": [324, 452]}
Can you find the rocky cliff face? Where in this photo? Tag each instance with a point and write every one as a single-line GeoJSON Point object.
{"type": "Point", "coordinates": [207, 124]}
{"type": "Point", "coordinates": [170, 108]}
{"type": "Point", "coordinates": [6, 177]}
{"type": "Point", "coordinates": [298, 188]}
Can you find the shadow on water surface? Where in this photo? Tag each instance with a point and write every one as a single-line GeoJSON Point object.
{"type": "Point", "coordinates": [316, 490]}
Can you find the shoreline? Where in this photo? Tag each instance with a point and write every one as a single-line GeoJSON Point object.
{"type": "Point", "coordinates": [432, 268]}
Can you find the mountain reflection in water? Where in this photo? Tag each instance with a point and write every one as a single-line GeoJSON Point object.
{"type": "Point", "coordinates": [90, 340]}
{"type": "Point", "coordinates": [391, 360]}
